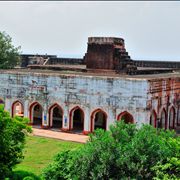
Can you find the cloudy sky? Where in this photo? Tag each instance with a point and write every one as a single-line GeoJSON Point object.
{"type": "Point", "coordinates": [151, 29]}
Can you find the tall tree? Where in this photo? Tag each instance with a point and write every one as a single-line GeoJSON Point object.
{"type": "Point", "coordinates": [9, 55]}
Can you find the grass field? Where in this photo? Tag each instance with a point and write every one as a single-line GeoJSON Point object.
{"type": "Point", "coordinates": [39, 152]}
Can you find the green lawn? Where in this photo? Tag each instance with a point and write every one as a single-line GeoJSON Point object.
{"type": "Point", "coordinates": [39, 152]}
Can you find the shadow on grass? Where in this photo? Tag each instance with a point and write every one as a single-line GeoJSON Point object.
{"type": "Point", "coordinates": [24, 175]}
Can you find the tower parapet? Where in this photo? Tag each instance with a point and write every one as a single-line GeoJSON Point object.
{"type": "Point", "coordinates": [106, 40]}
{"type": "Point", "coordinates": [106, 53]}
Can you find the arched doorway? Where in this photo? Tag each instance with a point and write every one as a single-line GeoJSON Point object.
{"type": "Point", "coordinates": [1, 101]}
{"type": "Point", "coordinates": [98, 120]}
{"type": "Point", "coordinates": [162, 123]}
{"type": "Point", "coordinates": [178, 116]}
{"type": "Point", "coordinates": [171, 118]}
{"type": "Point", "coordinates": [36, 112]}
{"type": "Point", "coordinates": [17, 109]}
{"type": "Point", "coordinates": [55, 116]}
{"type": "Point", "coordinates": [77, 119]}
{"type": "Point", "coordinates": [153, 119]}
{"type": "Point", "coordinates": [126, 117]}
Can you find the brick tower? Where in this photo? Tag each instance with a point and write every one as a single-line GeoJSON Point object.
{"type": "Point", "coordinates": [106, 53]}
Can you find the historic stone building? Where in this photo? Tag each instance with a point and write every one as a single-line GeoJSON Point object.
{"type": "Point", "coordinates": [93, 92]}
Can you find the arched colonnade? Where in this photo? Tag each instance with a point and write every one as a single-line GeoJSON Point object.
{"type": "Point", "coordinates": [76, 115]}
{"type": "Point", "coordinates": [167, 119]}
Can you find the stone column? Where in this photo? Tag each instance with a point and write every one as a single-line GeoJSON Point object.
{"type": "Point", "coordinates": [87, 121]}
{"type": "Point", "coordinates": [65, 123]}
{"type": "Point", "coordinates": [111, 118]}
{"type": "Point", "coordinates": [45, 118]}
{"type": "Point", "coordinates": [26, 109]}
{"type": "Point", "coordinates": [7, 106]}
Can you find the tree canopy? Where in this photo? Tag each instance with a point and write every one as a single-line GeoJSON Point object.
{"type": "Point", "coordinates": [9, 55]}
{"type": "Point", "coordinates": [12, 139]}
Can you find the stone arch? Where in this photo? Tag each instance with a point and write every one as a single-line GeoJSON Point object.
{"type": "Point", "coordinates": [76, 119]}
{"type": "Point", "coordinates": [17, 109]}
{"type": "Point", "coordinates": [153, 118]}
{"type": "Point", "coordinates": [98, 119]}
{"type": "Point", "coordinates": [126, 116]}
{"type": "Point", "coordinates": [36, 113]}
{"type": "Point", "coordinates": [172, 118]}
{"type": "Point", "coordinates": [56, 116]}
{"type": "Point", "coordinates": [162, 123]}
{"type": "Point", "coordinates": [2, 101]}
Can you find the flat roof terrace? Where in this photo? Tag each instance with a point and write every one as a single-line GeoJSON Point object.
{"type": "Point", "coordinates": [104, 74]}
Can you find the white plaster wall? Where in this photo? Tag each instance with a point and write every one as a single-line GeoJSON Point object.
{"type": "Point", "coordinates": [111, 94]}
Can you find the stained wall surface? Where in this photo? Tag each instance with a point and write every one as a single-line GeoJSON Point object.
{"type": "Point", "coordinates": [110, 94]}
{"type": "Point", "coordinates": [113, 95]}
{"type": "Point", "coordinates": [164, 97]}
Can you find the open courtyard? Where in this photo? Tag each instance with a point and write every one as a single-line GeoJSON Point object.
{"type": "Point", "coordinates": [39, 152]}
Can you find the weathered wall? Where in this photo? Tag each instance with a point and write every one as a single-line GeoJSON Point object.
{"type": "Point", "coordinates": [112, 95]}
{"type": "Point", "coordinates": [139, 96]}
{"type": "Point", "coordinates": [100, 56]}
{"type": "Point", "coordinates": [164, 94]}
{"type": "Point", "coordinates": [105, 53]}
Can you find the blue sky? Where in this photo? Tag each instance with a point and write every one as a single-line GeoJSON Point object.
{"type": "Point", "coordinates": [151, 29]}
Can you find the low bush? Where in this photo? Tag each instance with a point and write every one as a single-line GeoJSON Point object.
{"type": "Point", "coordinates": [170, 167]}
{"type": "Point", "coordinates": [23, 175]}
{"type": "Point", "coordinates": [123, 152]}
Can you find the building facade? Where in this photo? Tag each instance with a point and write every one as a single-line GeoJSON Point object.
{"type": "Point", "coordinates": [82, 102]}
{"type": "Point", "coordinates": [106, 85]}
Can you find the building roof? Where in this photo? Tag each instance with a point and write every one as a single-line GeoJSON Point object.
{"type": "Point", "coordinates": [89, 74]}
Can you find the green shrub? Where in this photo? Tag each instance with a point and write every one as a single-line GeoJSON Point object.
{"type": "Point", "coordinates": [12, 140]}
{"type": "Point", "coordinates": [61, 167]}
{"type": "Point", "coordinates": [124, 152]}
{"type": "Point", "coordinates": [170, 168]}
{"type": "Point", "coordinates": [28, 178]}
{"type": "Point", "coordinates": [23, 175]}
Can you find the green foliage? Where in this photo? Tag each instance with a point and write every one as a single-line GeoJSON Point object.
{"type": "Point", "coordinates": [124, 152]}
{"type": "Point", "coordinates": [23, 175]}
{"type": "Point", "coordinates": [170, 168]}
{"type": "Point", "coordinates": [61, 167]}
{"type": "Point", "coordinates": [9, 55]}
{"type": "Point", "coordinates": [12, 139]}
{"type": "Point", "coordinates": [96, 159]}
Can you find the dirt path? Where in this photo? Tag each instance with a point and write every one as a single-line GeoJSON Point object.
{"type": "Point", "coordinates": [60, 135]}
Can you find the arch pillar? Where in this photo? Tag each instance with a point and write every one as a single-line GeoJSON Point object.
{"type": "Point", "coordinates": [87, 122]}
{"type": "Point", "coordinates": [65, 123]}
{"type": "Point", "coordinates": [7, 106]}
{"type": "Point", "coordinates": [45, 118]}
{"type": "Point", "coordinates": [110, 118]}
{"type": "Point", "coordinates": [26, 109]}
